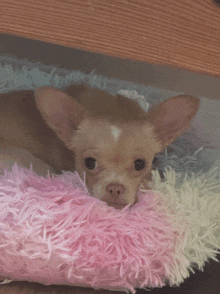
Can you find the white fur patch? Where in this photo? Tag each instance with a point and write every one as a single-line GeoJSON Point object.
{"type": "Point", "coordinates": [115, 132]}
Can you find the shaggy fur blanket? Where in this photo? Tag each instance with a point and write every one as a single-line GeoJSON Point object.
{"type": "Point", "coordinates": [54, 232]}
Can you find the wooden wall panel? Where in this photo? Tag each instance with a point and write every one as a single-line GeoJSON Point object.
{"type": "Point", "coordinates": [183, 34]}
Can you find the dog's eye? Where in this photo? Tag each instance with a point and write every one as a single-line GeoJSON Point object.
{"type": "Point", "coordinates": [90, 163]}
{"type": "Point", "coordinates": [139, 164]}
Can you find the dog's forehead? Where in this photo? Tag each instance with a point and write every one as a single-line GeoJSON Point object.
{"type": "Point", "coordinates": [138, 137]}
{"type": "Point", "coordinates": [115, 132]}
{"type": "Point", "coordinates": [112, 135]}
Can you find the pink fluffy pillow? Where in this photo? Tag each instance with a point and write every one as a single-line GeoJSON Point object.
{"type": "Point", "coordinates": [54, 232]}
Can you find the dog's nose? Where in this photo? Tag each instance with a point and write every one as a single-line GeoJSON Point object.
{"type": "Point", "coordinates": [115, 190]}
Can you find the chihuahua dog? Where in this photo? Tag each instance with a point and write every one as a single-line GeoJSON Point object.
{"type": "Point", "coordinates": [109, 140]}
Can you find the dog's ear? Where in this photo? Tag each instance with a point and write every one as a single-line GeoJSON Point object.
{"type": "Point", "coordinates": [172, 117]}
{"type": "Point", "coordinates": [60, 111]}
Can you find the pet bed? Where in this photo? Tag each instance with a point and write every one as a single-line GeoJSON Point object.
{"type": "Point", "coordinates": [53, 232]}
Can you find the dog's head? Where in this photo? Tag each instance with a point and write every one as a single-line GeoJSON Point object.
{"type": "Point", "coordinates": [114, 148]}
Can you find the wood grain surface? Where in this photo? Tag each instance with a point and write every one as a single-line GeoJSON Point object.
{"type": "Point", "coordinates": [184, 34]}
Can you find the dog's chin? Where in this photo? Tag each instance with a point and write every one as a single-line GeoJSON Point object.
{"type": "Point", "coordinates": [117, 205]}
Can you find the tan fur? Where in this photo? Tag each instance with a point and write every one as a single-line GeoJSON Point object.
{"type": "Point", "coordinates": [63, 131]}
{"type": "Point", "coordinates": [21, 125]}
{"type": "Point", "coordinates": [10, 154]}
{"type": "Point", "coordinates": [94, 139]}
